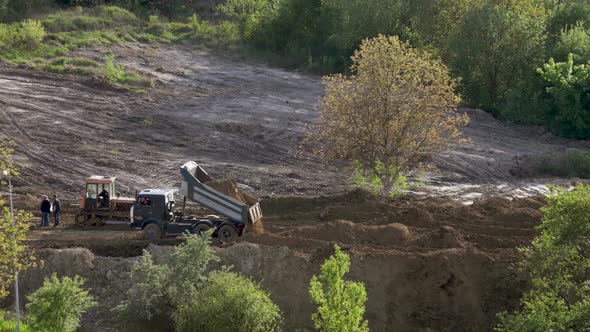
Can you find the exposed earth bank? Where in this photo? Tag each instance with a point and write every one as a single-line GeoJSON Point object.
{"type": "Point", "coordinates": [428, 264]}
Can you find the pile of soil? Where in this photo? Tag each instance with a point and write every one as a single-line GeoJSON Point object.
{"type": "Point", "coordinates": [231, 188]}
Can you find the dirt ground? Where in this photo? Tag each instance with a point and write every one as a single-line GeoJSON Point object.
{"type": "Point", "coordinates": [240, 120]}
{"type": "Point", "coordinates": [428, 264]}
{"type": "Point", "coordinates": [437, 259]}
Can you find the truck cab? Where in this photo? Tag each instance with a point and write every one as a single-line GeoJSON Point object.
{"type": "Point", "coordinates": [153, 206]}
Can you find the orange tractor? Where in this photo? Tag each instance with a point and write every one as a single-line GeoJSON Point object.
{"type": "Point", "coordinates": [98, 204]}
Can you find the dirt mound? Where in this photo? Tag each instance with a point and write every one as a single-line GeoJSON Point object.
{"type": "Point", "coordinates": [231, 188]}
{"type": "Point", "coordinates": [345, 231]}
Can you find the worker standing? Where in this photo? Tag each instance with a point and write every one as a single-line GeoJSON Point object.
{"type": "Point", "coordinates": [45, 210]}
{"type": "Point", "coordinates": [56, 210]}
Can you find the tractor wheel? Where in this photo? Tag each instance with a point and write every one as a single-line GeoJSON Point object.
{"type": "Point", "coordinates": [202, 227]}
{"type": "Point", "coordinates": [152, 232]}
{"type": "Point", "coordinates": [82, 219]}
{"type": "Point", "coordinates": [227, 232]}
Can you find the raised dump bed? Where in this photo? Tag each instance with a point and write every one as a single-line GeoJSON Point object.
{"type": "Point", "coordinates": [194, 187]}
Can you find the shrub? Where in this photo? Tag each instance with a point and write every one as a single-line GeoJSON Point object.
{"type": "Point", "coordinates": [557, 263]}
{"type": "Point", "coordinates": [570, 164]}
{"type": "Point", "coordinates": [157, 289]}
{"type": "Point", "coordinates": [113, 72]}
{"type": "Point", "coordinates": [29, 34]}
{"type": "Point", "coordinates": [341, 302]}
{"type": "Point", "coordinates": [148, 296]}
{"type": "Point", "coordinates": [573, 39]}
{"type": "Point", "coordinates": [59, 304]}
{"type": "Point", "coordinates": [227, 303]}
{"type": "Point", "coordinates": [568, 96]}
{"type": "Point", "coordinates": [8, 324]}
{"type": "Point", "coordinates": [495, 46]}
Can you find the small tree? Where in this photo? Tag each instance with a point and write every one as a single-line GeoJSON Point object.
{"type": "Point", "coordinates": [495, 47]}
{"type": "Point", "coordinates": [341, 303]}
{"type": "Point", "coordinates": [569, 97]}
{"type": "Point", "coordinates": [160, 288]}
{"type": "Point", "coordinates": [13, 229]}
{"type": "Point", "coordinates": [59, 304]}
{"type": "Point", "coordinates": [396, 110]}
{"type": "Point", "coordinates": [229, 302]}
{"type": "Point", "coordinates": [557, 262]}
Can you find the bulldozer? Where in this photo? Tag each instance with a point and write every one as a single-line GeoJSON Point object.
{"type": "Point", "coordinates": [98, 204]}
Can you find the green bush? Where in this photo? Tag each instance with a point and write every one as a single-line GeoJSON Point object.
{"type": "Point", "coordinates": [148, 296]}
{"type": "Point", "coordinates": [574, 40]}
{"type": "Point", "coordinates": [113, 72]}
{"type": "Point", "coordinates": [25, 36]}
{"type": "Point", "coordinates": [494, 47]}
{"type": "Point", "coordinates": [58, 305]}
{"type": "Point", "coordinates": [570, 164]}
{"type": "Point", "coordinates": [557, 263]}
{"type": "Point", "coordinates": [90, 19]}
{"type": "Point", "coordinates": [568, 95]}
{"type": "Point", "coordinates": [158, 288]}
{"type": "Point", "coordinates": [341, 302]}
{"type": "Point", "coordinates": [227, 303]}
{"type": "Point", "coordinates": [8, 324]}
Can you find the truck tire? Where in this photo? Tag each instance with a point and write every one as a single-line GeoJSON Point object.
{"type": "Point", "coordinates": [227, 232]}
{"type": "Point", "coordinates": [152, 232]}
{"type": "Point", "coordinates": [201, 227]}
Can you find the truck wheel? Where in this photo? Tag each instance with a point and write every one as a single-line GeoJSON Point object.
{"type": "Point", "coordinates": [202, 227]}
{"type": "Point", "coordinates": [227, 232]}
{"type": "Point", "coordinates": [152, 232]}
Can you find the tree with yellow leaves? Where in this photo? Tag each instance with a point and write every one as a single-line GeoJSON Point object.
{"type": "Point", "coordinates": [396, 109]}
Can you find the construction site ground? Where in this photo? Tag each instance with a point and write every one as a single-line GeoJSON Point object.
{"type": "Point", "coordinates": [436, 259]}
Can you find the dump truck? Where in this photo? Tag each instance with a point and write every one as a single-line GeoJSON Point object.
{"type": "Point", "coordinates": [96, 207]}
{"type": "Point", "coordinates": [155, 211]}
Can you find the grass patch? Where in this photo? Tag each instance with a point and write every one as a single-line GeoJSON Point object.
{"type": "Point", "coordinates": [46, 44]}
{"type": "Point", "coordinates": [572, 164]}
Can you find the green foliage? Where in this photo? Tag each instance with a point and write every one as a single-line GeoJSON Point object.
{"type": "Point", "coordinates": [557, 263]}
{"type": "Point", "coordinates": [570, 164]}
{"type": "Point", "coordinates": [8, 324]}
{"type": "Point", "coordinates": [569, 97]}
{"type": "Point", "coordinates": [573, 40]}
{"type": "Point", "coordinates": [341, 302]}
{"type": "Point", "coordinates": [158, 288]}
{"type": "Point", "coordinates": [494, 46]}
{"type": "Point", "coordinates": [25, 36]}
{"type": "Point", "coordinates": [148, 297]}
{"type": "Point", "coordinates": [90, 19]}
{"type": "Point", "coordinates": [370, 181]}
{"type": "Point", "coordinates": [113, 72]}
{"type": "Point", "coordinates": [13, 228]}
{"type": "Point", "coordinates": [59, 304]}
{"type": "Point", "coordinates": [229, 302]}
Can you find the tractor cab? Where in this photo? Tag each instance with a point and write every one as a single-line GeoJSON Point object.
{"type": "Point", "coordinates": [99, 192]}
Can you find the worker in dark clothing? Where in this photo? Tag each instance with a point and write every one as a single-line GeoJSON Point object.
{"type": "Point", "coordinates": [104, 198]}
{"type": "Point", "coordinates": [56, 209]}
{"type": "Point", "coordinates": [45, 210]}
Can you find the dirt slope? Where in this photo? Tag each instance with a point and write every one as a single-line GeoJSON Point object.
{"type": "Point", "coordinates": [240, 120]}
